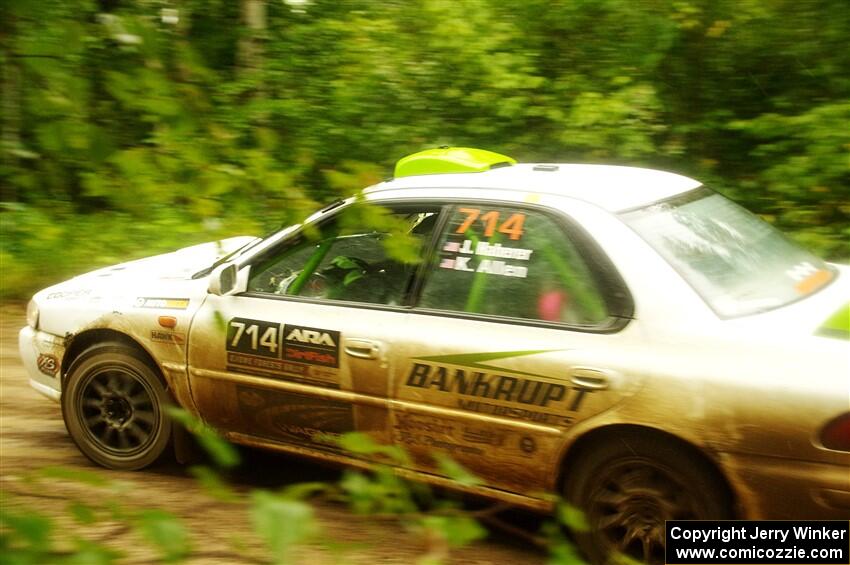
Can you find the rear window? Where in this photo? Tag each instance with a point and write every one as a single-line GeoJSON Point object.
{"type": "Point", "coordinates": [738, 263]}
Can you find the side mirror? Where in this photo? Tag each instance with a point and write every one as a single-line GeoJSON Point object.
{"type": "Point", "coordinates": [224, 280]}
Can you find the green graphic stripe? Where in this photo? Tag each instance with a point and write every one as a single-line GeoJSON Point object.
{"type": "Point", "coordinates": [476, 360]}
{"type": "Point", "coordinates": [838, 325]}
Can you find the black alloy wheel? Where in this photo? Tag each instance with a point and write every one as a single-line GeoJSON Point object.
{"type": "Point", "coordinates": [113, 404]}
{"type": "Point", "coordinates": [631, 485]}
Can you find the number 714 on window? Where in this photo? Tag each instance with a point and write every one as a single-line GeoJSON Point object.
{"type": "Point", "coordinates": [512, 227]}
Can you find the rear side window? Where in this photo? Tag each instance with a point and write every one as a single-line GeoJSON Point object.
{"type": "Point", "coordinates": [510, 261]}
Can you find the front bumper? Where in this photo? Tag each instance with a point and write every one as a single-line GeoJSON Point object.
{"type": "Point", "coordinates": [771, 488]}
{"type": "Point", "coordinates": [42, 355]}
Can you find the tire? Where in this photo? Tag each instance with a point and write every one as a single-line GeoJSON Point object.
{"type": "Point", "coordinates": [628, 486]}
{"type": "Point", "coordinates": [113, 404]}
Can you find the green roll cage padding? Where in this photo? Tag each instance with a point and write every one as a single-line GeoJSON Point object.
{"type": "Point", "coordinates": [450, 160]}
{"type": "Point", "coordinates": [311, 266]}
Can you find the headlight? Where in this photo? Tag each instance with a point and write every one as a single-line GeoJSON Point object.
{"type": "Point", "coordinates": [32, 314]}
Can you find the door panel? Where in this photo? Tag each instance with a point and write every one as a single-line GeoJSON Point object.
{"type": "Point", "coordinates": [302, 356]}
{"type": "Point", "coordinates": [279, 369]}
{"type": "Point", "coordinates": [499, 397]}
{"type": "Point", "coordinates": [505, 351]}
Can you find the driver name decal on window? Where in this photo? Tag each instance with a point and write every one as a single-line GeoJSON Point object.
{"type": "Point", "coordinates": [295, 353]}
{"type": "Point", "coordinates": [464, 252]}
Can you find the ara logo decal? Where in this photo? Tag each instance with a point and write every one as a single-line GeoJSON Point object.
{"type": "Point", "coordinates": [304, 335]}
{"type": "Point", "coordinates": [313, 346]}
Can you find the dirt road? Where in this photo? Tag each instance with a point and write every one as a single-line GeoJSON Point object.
{"type": "Point", "coordinates": [32, 437]}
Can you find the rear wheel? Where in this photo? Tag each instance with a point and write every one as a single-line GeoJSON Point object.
{"type": "Point", "coordinates": [113, 404]}
{"type": "Point", "coordinates": [630, 485]}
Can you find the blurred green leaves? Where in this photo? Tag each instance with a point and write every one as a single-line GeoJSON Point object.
{"type": "Point", "coordinates": [166, 533]}
{"type": "Point", "coordinates": [123, 134]}
{"type": "Point", "coordinates": [222, 452]}
{"type": "Point", "coordinates": [282, 522]}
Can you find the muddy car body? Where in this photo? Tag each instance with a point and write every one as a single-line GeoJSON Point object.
{"type": "Point", "coordinates": [622, 336]}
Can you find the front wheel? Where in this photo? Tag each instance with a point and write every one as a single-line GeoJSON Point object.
{"type": "Point", "coordinates": [113, 404]}
{"type": "Point", "coordinates": [630, 485]}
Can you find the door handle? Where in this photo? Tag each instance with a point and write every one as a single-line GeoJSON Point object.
{"type": "Point", "coordinates": [362, 348]}
{"type": "Point", "coordinates": [589, 378]}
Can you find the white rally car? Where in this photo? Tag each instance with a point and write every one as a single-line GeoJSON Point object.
{"type": "Point", "coordinates": [625, 337]}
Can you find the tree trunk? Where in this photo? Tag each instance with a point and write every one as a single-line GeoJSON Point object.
{"type": "Point", "coordinates": [250, 46]}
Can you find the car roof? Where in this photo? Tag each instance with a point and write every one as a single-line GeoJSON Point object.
{"type": "Point", "coordinates": [613, 188]}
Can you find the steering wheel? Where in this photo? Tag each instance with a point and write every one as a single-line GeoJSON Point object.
{"type": "Point", "coordinates": [316, 286]}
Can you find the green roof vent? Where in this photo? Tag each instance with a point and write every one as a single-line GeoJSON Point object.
{"type": "Point", "coordinates": [450, 160]}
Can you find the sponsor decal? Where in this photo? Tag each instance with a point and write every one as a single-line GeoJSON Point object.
{"type": "Point", "coordinates": [294, 418]}
{"type": "Point", "coordinates": [168, 337]}
{"type": "Point", "coordinates": [527, 444]}
{"type": "Point", "coordinates": [425, 424]}
{"type": "Point", "coordinates": [807, 277]}
{"type": "Point", "coordinates": [47, 364]}
{"type": "Point", "coordinates": [295, 353]}
{"type": "Point", "coordinates": [162, 303]}
{"type": "Point", "coordinates": [475, 382]}
{"type": "Point", "coordinates": [432, 432]}
{"type": "Point", "coordinates": [487, 436]}
{"type": "Point", "coordinates": [266, 365]}
{"type": "Point", "coordinates": [417, 439]}
{"type": "Point", "coordinates": [449, 446]}
{"type": "Point", "coordinates": [69, 294]}
{"type": "Point", "coordinates": [536, 416]}
{"type": "Point", "coordinates": [254, 337]}
{"type": "Point", "coordinates": [311, 345]}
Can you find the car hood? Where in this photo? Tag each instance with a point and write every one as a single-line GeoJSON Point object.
{"type": "Point", "coordinates": [180, 264]}
{"type": "Point", "coordinates": [161, 280]}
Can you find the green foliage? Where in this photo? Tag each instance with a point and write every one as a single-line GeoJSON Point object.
{"type": "Point", "coordinates": [165, 532]}
{"type": "Point", "coordinates": [359, 443]}
{"type": "Point", "coordinates": [282, 522]}
{"type": "Point", "coordinates": [455, 471]}
{"type": "Point", "coordinates": [382, 492]}
{"type": "Point", "coordinates": [222, 452]}
{"type": "Point", "coordinates": [458, 531]}
{"type": "Point", "coordinates": [25, 536]}
{"type": "Point", "coordinates": [126, 133]}
{"type": "Point", "coordinates": [213, 484]}
{"type": "Point", "coordinates": [571, 517]}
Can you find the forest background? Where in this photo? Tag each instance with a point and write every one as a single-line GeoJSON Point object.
{"type": "Point", "coordinates": [136, 127]}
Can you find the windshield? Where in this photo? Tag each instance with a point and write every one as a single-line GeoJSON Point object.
{"type": "Point", "coordinates": [738, 263]}
{"type": "Point", "coordinates": [244, 249]}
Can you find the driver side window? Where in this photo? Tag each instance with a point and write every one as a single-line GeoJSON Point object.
{"type": "Point", "coordinates": [365, 253]}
